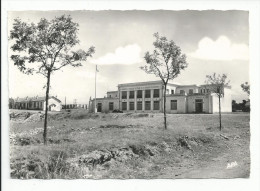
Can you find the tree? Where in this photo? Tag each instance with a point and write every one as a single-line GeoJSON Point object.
{"type": "Point", "coordinates": [246, 88]}
{"type": "Point", "coordinates": [166, 62]}
{"type": "Point", "coordinates": [216, 84]}
{"type": "Point", "coordinates": [45, 47]}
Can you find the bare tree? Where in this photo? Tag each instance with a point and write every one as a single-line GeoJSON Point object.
{"type": "Point", "coordinates": [166, 62]}
{"type": "Point", "coordinates": [45, 47]}
{"type": "Point", "coordinates": [216, 84]}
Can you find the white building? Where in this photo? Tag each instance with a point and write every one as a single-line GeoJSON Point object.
{"type": "Point", "coordinates": [37, 103]}
{"type": "Point", "coordinates": [148, 97]}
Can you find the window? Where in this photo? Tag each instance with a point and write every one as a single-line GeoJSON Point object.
{"type": "Point", "coordinates": [34, 104]}
{"type": "Point", "coordinates": [110, 96]}
{"type": "Point", "coordinates": [131, 105]}
{"type": "Point", "coordinates": [172, 92]}
{"type": "Point", "coordinates": [156, 93]}
{"type": "Point", "coordinates": [139, 105]}
{"type": "Point", "coordinates": [131, 94]}
{"type": "Point", "coordinates": [139, 94]}
{"type": "Point", "coordinates": [173, 104]}
{"type": "Point", "coordinates": [167, 91]}
{"type": "Point", "coordinates": [147, 93]}
{"type": "Point", "coordinates": [156, 105]}
{"type": "Point", "coordinates": [111, 106]}
{"type": "Point", "coordinates": [207, 90]}
{"type": "Point", "coordinates": [124, 105]}
{"type": "Point", "coordinates": [204, 91]}
{"type": "Point", "coordinates": [201, 91]}
{"type": "Point", "coordinates": [124, 94]}
{"type": "Point", "coordinates": [182, 92]}
{"type": "Point", "coordinates": [147, 105]}
{"type": "Point", "coordinates": [190, 91]}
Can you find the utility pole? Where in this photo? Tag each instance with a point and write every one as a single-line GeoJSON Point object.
{"type": "Point", "coordinates": [96, 89]}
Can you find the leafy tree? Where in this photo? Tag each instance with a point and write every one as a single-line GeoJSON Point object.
{"type": "Point", "coordinates": [216, 84]}
{"type": "Point", "coordinates": [45, 47]}
{"type": "Point", "coordinates": [246, 88]}
{"type": "Point", "coordinates": [166, 62]}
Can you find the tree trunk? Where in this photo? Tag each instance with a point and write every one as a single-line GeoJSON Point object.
{"type": "Point", "coordinates": [164, 106]}
{"type": "Point", "coordinates": [46, 109]}
{"type": "Point", "coordinates": [219, 110]}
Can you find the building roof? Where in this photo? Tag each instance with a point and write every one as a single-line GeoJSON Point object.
{"type": "Point", "coordinates": [145, 83]}
{"type": "Point", "coordinates": [182, 86]}
{"type": "Point", "coordinates": [36, 98]}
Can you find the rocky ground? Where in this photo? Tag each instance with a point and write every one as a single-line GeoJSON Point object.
{"type": "Point", "coordinates": [82, 145]}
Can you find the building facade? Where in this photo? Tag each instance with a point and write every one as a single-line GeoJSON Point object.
{"type": "Point", "coordinates": [35, 103]}
{"type": "Point", "coordinates": [148, 97]}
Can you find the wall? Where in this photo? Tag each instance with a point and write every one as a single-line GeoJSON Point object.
{"type": "Point", "coordinates": [226, 102]}
{"type": "Point", "coordinates": [187, 88]}
{"type": "Point", "coordinates": [181, 104]}
{"type": "Point", "coordinates": [51, 101]}
{"type": "Point", "coordinates": [191, 103]}
{"type": "Point", "coordinates": [105, 104]}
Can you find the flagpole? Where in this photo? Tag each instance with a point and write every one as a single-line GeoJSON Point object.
{"type": "Point", "coordinates": [95, 89]}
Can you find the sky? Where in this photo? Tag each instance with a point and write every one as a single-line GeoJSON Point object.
{"type": "Point", "coordinates": [213, 41]}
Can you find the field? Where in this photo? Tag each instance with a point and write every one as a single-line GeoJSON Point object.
{"type": "Point", "coordinates": [129, 145]}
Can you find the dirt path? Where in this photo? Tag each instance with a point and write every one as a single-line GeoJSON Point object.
{"type": "Point", "coordinates": [234, 162]}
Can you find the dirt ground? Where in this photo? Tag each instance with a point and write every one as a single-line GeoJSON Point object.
{"type": "Point", "coordinates": [129, 145]}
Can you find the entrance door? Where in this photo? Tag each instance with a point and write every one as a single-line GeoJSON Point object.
{"type": "Point", "coordinates": [198, 105]}
{"type": "Point", "coordinates": [99, 107]}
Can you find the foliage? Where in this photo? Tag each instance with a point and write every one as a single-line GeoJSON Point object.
{"type": "Point", "coordinates": [166, 61]}
{"type": "Point", "coordinates": [246, 88]}
{"type": "Point", "coordinates": [53, 39]}
{"type": "Point", "coordinates": [216, 83]}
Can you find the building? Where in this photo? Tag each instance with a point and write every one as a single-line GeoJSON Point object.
{"type": "Point", "coordinates": [75, 106]}
{"type": "Point", "coordinates": [35, 103]}
{"type": "Point", "coordinates": [148, 97]}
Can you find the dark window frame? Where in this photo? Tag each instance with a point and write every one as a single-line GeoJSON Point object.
{"type": "Point", "coordinates": [155, 94]}
{"type": "Point", "coordinates": [124, 95]}
{"type": "Point", "coordinates": [139, 103]}
{"type": "Point", "coordinates": [138, 94]}
{"type": "Point", "coordinates": [147, 103]}
{"type": "Point", "coordinates": [155, 108]}
{"type": "Point", "coordinates": [131, 96]}
{"type": "Point", "coordinates": [109, 106]}
{"type": "Point", "coordinates": [131, 105]}
{"type": "Point", "coordinates": [174, 104]}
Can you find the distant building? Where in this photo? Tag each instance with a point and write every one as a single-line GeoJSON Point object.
{"type": "Point", "coordinates": [35, 103]}
{"type": "Point", "coordinates": [148, 97]}
{"type": "Point", "coordinates": [75, 106]}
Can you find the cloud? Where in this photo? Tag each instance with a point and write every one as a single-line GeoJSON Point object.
{"type": "Point", "coordinates": [221, 49]}
{"type": "Point", "coordinates": [127, 55]}
{"type": "Point", "coordinates": [91, 76]}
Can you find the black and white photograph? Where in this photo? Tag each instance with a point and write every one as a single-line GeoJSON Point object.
{"type": "Point", "coordinates": [129, 94]}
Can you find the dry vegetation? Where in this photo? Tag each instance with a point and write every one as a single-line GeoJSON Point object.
{"type": "Point", "coordinates": [82, 145]}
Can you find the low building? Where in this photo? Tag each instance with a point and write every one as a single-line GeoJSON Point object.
{"type": "Point", "coordinates": [75, 106]}
{"type": "Point", "coordinates": [148, 97]}
{"type": "Point", "coordinates": [37, 103]}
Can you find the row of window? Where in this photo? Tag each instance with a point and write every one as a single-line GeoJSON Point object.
{"type": "Point", "coordinates": [156, 94]}
{"type": "Point", "coordinates": [31, 104]}
{"type": "Point", "coordinates": [139, 105]}
{"type": "Point", "coordinates": [147, 106]}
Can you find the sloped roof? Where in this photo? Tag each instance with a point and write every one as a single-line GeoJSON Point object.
{"type": "Point", "coordinates": [27, 99]}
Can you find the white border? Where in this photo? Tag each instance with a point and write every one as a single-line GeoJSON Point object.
{"type": "Point", "coordinates": [209, 184]}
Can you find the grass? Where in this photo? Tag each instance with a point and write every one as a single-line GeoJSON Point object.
{"type": "Point", "coordinates": [150, 151]}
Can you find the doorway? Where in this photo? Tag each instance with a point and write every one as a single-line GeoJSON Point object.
{"type": "Point", "coordinates": [99, 107]}
{"type": "Point", "coordinates": [198, 105]}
